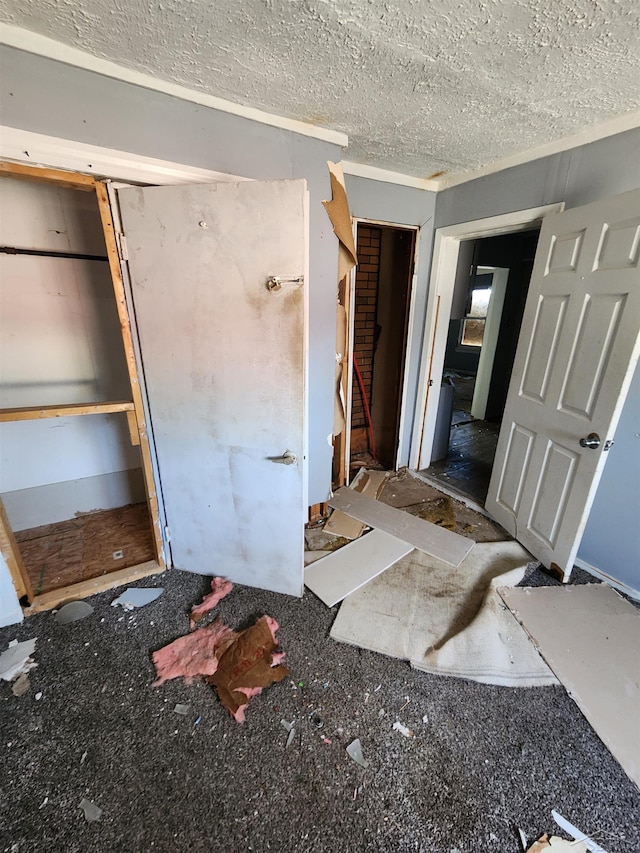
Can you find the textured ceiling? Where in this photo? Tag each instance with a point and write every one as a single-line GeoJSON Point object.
{"type": "Point", "coordinates": [420, 86]}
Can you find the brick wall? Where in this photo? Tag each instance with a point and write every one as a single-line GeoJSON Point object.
{"type": "Point", "coordinates": [367, 274]}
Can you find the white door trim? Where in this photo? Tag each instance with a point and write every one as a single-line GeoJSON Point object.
{"type": "Point", "coordinates": [36, 149]}
{"type": "Point", "coordinates": [441, 282]}
{"type": "Point", "coordinates": [410, 333]}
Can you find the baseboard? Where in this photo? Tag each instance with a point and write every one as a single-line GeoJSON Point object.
{"type": "Point", "coordinates": [55, 502]}
{"type": "Point", "coordinates": [603, 576]}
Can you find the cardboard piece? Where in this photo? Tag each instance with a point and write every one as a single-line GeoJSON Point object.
{"type": "Point", "coordinates": [427, 537]}
{"type": "Point", "coordinates": [590, 635]}
{"type": "Point", "coordinates": [220, 587]}
{"type": "Point", "coordinates": [368, 483]}
{"type": "Point", "coordinates": [247, 666]}
{"type": "Point", "coordinates": [338, 212]}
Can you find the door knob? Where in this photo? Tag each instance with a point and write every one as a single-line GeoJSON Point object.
{"type": "Point", "coordinates": [287, 458]}
{"type": "Point", "coordinates": [592, 441]}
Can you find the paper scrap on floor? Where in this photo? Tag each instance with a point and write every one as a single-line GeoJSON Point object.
{"type": "Point", "coordinates": [135, 596]}
{"type": "Point", "coordinates": [590, 637]}
{"type": "Point", "coordinates": [446, 620]}
{"type": "Point", "coordinates": [239, 665]}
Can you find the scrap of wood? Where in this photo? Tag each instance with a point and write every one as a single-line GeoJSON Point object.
{"type": "Point", "coordinates": [590, 636]}
{"type": "Point", "coordinates": [347, 569]}
{"type": "Point", "coordinates": [368, 483]}
{"type": "Point", "coordinates": [427, 537]}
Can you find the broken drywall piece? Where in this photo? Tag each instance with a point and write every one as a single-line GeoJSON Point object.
{"type": "Point", "coordinates": [286, 725]}
{"type": "Point", "coordinates": [355, 751]}
{"type": "Point", "coordinates": [17, 659]}
{"type": "Point", "coordinates": [91, 811]}
{"type": "Point", "coordinates": [398, 727]}
{"type": "Point", "coordinates": [73, 611]}
{"type": "Point", "coordinates": [183, 710]}
{"type": "Point", "coordinates": [556, 845]}
{"type": "Point", "coordinates": [370, 483]}
{"type": "Point", "coordinates": [135, 596]}
{"type": "Point", "coordinates": [338, 213]}
{"type": "Point", "coordinates": [589, 636]}
{"type": "Point", "coordinates": [430, 538]}
{"type": "Point", "coordinates": [563, 823]}
{"type": "Point", "coordinates": [292, 734]}
{"type": "Point", "coordinates": [354, 565]}
{"type": "Point", "coordinates": [220, 587]}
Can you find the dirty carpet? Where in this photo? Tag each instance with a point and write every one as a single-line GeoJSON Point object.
{"type": "Point", "coordinates": [483, 760]}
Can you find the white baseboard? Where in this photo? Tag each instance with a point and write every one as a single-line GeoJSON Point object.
{"type": "Point", "coordinates": [603, 576]}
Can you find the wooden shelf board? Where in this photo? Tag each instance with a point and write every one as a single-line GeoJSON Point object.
{"type": "Point", "coordinates": [30, 413]}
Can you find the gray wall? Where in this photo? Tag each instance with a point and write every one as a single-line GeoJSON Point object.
{"type": "Point", "coordinates": [611, 540]}
{"type": "Point", "coordinates": [51, 98]}
{"type": "Point", "coordinates": [402, 206]}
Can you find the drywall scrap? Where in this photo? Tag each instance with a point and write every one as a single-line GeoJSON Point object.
{"type": "Point", "coordinates": [366, 482]}
{"type": "Point", "coordinates": [220, 587]}
{"type": "Point", "coordinates": [136, 596]}
{"type": "Point", "coordinates": [430, 538]}
{"type": "Point", "coordinates": [591, 845]}
{"type": "Point", "coordinates": [17, 659]}
{"type": "Point", "coordinates": [73, 611]}
{"type": "Point", "coordinates": [239, 665]}
{"type": "Point", "coordinates": [346, 570]}
{"type": "Point", "coordinates": [590, 636]}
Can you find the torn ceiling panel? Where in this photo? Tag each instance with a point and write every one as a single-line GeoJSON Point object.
{"type": "Point", "coordinates": [420, 88]}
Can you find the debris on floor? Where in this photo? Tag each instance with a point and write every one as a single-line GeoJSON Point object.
{"type": "Point", "coordinates": [21, 685]}
{"type": "Point", "coordinates": [366, 482]}
{"type": "Point", "coordinates": [440, 511]}
{"type": "Point", "coordinates": [556, 845]}
{"type": "Point", "coordinates": [17, 659]}
{"type": "Point", "coordinates": [91, 811]}
{"type": "Point", "coordinates": [355, 751]}
{"type": "Point", "coordinates": [220, 587]}
{"type": "Point", "coordinates": [569, 828]}
{"type": "Point", "coordinates": [239, 665]}
{"type": "Point", "coordinates": [183, 710]}
{"type": "Point", "coordinates": [398, 727]}
{"type": "Point", "coordinates": [73, 611]}
{"type": "Point", "coordinates": [134, 597]}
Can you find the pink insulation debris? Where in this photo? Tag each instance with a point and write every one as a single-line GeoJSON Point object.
{"type": "Point", "coordinates": [193, 654]}
{"type": "Point", "coordinates": [220, 587]}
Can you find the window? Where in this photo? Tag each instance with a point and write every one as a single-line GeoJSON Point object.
{"type": "Point", "coordinates": [473, 322]}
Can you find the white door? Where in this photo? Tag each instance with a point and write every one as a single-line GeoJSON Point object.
{"type": "Point", "coordinates": [576, 355]}
{"type": "Point", "coordinates": [224, 353]}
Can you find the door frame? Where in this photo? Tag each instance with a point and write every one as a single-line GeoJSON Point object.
{"type": "Point", "coordinates": [410, 323]}
{"type": "Point", "coordinates": [438, 312]}
{"type": "Point", "coordinates": [90, 168]}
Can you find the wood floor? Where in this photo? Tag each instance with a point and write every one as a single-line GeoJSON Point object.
{"type": "Point", "coordinates": [472, 447]}
{"type": "Point", "coordinates": [61, 554]}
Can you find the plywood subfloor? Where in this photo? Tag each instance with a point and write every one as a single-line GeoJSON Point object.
{"type": "Point", "coordinates": [61, 554]}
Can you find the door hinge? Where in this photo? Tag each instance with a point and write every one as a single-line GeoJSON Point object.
{"type": "Point", "coordinates": [167, 533]}
{"type": "Point", "coordinates": [122, 246]}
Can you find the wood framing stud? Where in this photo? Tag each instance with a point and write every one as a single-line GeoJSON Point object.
{"type": "Point", "coordinates": [29, 413]}
{"type": "Point", "coordinates": [318, 512]}
{"type": "Point", "coordinates": [66, 180]}
{"type": "Point", "coordinates": [13, 557]}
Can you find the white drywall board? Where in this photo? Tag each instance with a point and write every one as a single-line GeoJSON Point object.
{"type": "Point", "coordinates": [590, 636]}
{"type": "Point", "coordinates": [428, 537]}
{"type": "Point", "coordinates": [347, 569]}
{"type": "Point", "coordinates": [49, 218]}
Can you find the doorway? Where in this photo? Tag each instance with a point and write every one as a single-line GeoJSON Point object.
{"type": "Point", "coordinates": [492, 282]}
{"type": "Point", "coordinates": [382, 296]}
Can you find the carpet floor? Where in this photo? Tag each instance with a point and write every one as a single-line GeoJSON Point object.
{"type": "Point", "coordinates": [486, 761]}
